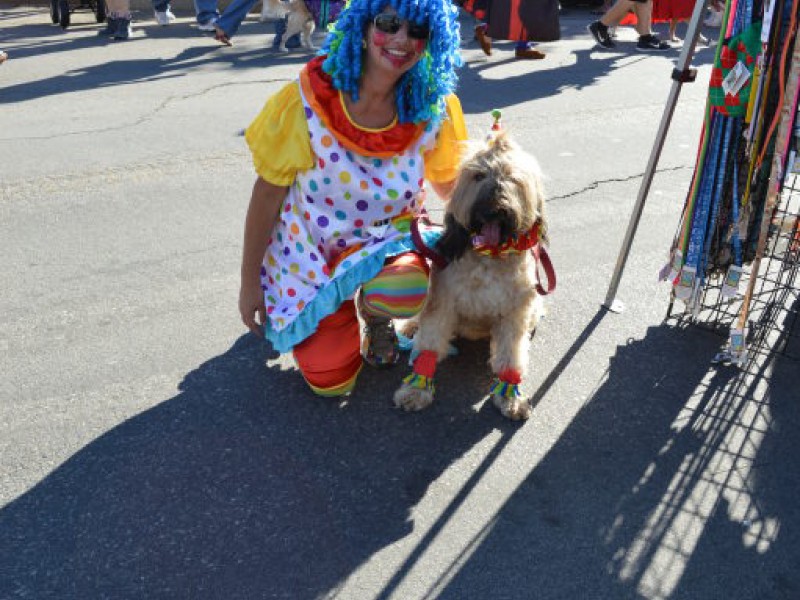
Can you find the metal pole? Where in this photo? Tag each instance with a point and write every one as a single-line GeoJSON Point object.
{"type": "Point", "coordinates": [680, 75]}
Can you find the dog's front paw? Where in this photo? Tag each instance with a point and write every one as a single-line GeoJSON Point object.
{"type": "Point", "coordinates": [516, 409]}
{"type": "Point", "coordinates": [410, 398]}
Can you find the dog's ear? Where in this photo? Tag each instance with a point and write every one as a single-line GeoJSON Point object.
{"type": "Point", "coordinates": [454, 241]}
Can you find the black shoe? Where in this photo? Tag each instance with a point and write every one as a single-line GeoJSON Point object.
{"type": "Point", "coordinates": [651, 43]}
{"type": "Point", "coordinates": [123, 31]}
{"type": "Point", "coordinates": [111, 27]}
{"type": "Point", "coordinates": [600, 34]}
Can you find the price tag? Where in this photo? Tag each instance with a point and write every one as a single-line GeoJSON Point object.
{"type": "Point", "coordinates": [738, 349]}
{"type": "Point", "coordinates": [730, 287]}
{"type": "Point", "coordinates": [735, 79]}
{"type": "Point", "coordinates": [685, 286]}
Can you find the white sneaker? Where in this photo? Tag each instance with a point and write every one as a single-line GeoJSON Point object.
{"type": "Point", "coordinates": [210, 26]}
{"type": "Point", "coordinates": [165, 18]}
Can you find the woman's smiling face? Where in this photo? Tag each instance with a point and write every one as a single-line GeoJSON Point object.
{"type": "Point", "coordinates": [396, 52]}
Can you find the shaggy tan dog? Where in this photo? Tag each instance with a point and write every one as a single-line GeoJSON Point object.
{"type": "Point", "coordinates": [300, 20]}
{"type": "Point", "coordinates": [489, 287]}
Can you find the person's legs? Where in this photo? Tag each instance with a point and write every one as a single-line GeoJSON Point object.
{"type": "Point", "coordinates": [673, 26]}
{"type": "Point", "coordinates": [398, 291]}
{"type": "Point", "coordinates": [120, 12]}
{"type": "Point", "coordinates": [618, 12]}
{"type": "Point", "coordinates": [526, 50]}
{"type": "Point", "coordinates": [330, 359]}
{"type": "Point", "coordinates": [484, 40]}
{"type": "Point", "coordinates": [207, 12]}
{"type": "Point", "coordinates": [232, 17]}
{"type": "Point", "coordinates": [648, 41]}
{"type": "Point", "coordinates": [644, 17]}
{"type": "Point", "coordinates": [163, 12]}
{"type": "Point", "coordinates": [600, 28]}
{"type": "Point", "coordinates": [280, 29]}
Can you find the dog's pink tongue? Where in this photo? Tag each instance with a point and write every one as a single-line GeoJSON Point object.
{"type": "Point", "coordinates": [490, 234]}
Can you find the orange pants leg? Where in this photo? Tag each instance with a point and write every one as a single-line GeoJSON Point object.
{"type": "Point", "coordinates": [330, 359]}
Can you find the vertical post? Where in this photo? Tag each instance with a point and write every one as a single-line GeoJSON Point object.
{"type": "Point", "coordinates": [680, 75]}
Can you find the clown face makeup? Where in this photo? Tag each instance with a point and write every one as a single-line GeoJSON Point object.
{"type": "Point", "coordinates": [393, 43]}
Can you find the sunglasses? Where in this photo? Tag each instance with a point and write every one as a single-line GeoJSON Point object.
{"type": "Point", "coordinates": [391, 23]}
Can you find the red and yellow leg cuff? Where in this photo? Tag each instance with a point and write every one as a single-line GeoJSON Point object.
{"type": "Point", "coordinates": [506, 384]}
{"type": "Point", "coordinates": [337, 390]}
{"type": "Point", "coordinates": [424, 370]}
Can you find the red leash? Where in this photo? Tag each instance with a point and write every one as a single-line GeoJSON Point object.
{"type": "Point", "coordinates": [542, 258]}
{"type": "Point", "coordinates": [426, 251]}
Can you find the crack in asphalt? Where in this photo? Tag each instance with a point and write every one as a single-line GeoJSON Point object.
{"type": "Point", "coordinates": [595, 184]}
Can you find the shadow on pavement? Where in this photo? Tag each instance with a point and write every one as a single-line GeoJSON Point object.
{"type": "Point", "coordinates": [243, 485]}
{"type": "Point", "coordinates": [480, 94]}
{"type": "Point", "coordinates": [674, 481]}
{"type": "Point", "coordinates": [77, 78]}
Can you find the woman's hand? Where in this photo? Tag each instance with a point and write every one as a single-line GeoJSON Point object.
{"type": "Point", "coordinates": [252, 307]}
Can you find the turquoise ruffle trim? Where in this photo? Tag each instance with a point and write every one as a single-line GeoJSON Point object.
{"type": "Point", "coordinates": [342, 287]}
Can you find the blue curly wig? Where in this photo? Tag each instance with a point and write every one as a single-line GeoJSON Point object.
{"type": "Point", "coordinates": [422, 90]}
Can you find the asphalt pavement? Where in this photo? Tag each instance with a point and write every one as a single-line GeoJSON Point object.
{"type": "Point", "coordinates": [150, 448]}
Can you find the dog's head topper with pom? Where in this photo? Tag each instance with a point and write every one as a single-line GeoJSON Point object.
{"type": "Point", "coordinates": [496, 126]}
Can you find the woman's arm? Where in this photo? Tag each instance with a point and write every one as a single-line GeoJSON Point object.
{"type": "Point", "coordinates": [265, 205]}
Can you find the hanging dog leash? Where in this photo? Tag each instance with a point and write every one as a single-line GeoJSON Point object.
{"type": "Point", "coordinates": [528, 241]}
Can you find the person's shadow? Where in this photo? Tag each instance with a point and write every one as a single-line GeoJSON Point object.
{"type": "Point", "coordinates": [243, 485]}
{"type": "Point", "coordinates": [114, 73]}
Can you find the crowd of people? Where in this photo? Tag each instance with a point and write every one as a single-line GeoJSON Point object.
{"type": "Point", "coordinates": [525, 24]}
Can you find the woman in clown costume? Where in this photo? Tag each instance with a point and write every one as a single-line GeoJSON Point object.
{"type": "Point", "coordinates": [342, 155]}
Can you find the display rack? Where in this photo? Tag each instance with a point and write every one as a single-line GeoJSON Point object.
{"type": "Point", "coordinates": [741, 220]}
{"type": "Point", "coordinates": [773, 322]}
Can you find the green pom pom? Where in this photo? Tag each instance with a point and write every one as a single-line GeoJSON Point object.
{"type": "Point", "coordinates": [496, 114]}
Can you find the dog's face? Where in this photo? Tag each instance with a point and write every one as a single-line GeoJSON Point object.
{"type": "Point", "coordinates": [498, 193]}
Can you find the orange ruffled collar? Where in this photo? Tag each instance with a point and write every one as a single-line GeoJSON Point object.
{"type": "Point", "coordinates": [328, 105]}
{"type": "Point", "coordinates": [516, 245]}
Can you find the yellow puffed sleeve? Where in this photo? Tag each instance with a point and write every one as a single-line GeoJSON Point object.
{"type": "Point", "coordinates": [441, 163]}
{"type": "Point", "coordinates": [278, 138]}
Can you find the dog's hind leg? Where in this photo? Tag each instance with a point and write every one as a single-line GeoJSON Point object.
{"type": "Point", "coordinates": [509, 356]}
{"type": "Point", "coordinates": [305, 37]}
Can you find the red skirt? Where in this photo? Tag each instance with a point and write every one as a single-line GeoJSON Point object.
{"type": "Point", "coordinates": [518, 20]}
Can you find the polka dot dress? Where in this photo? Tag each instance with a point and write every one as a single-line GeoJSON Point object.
{"type": "Point", "coordinates": [337, 214]}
